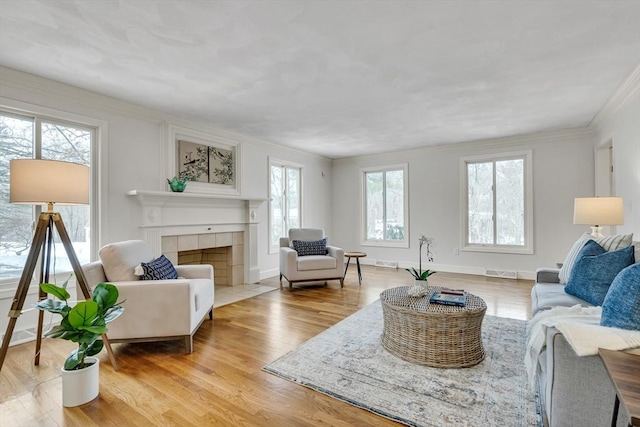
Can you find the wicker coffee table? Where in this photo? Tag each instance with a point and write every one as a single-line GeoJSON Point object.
{"type": "Point", "coordinates": [437, 335]}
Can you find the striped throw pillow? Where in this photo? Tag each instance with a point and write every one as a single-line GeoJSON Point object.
{"type": "Point", "coordinates": [609, 243]}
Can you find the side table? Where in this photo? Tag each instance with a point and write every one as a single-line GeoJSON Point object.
{"type": "Point", "coordinates": [623, 370]}
{"type": "Point", "coordinates": [357, 256]}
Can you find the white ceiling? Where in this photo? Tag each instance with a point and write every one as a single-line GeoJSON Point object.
{"type": "Point", "coordinates": [338, 78]}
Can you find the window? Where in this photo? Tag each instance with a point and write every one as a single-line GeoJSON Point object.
{"type": "Point", "coordinates": [497, 205]}
{"type": "Point", "coordinates": [285, 201]}
{"type": "Point", "coordinates": [384, 206]}
{"type": "Point", "coordinates": [27, 136]}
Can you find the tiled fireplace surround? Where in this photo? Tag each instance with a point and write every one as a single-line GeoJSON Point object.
{"type": "Point", "coordinates": [221, 230]}
{"type": "Point", "coordinates": [225, 251]}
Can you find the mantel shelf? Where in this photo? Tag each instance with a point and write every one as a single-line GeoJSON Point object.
{"type": "Point", "coordinates": [165, 198]}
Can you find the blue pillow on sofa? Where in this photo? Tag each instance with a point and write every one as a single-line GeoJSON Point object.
{"type": "Point", "coordinates": [621, 307]}
{"type": "Point", "coordinates": [310, 247]}
{"type": "Point", "coordinates": [595, 269]}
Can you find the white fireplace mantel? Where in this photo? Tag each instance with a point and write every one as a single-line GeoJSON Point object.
{"type": "Point", "coordinates": [166, 213]}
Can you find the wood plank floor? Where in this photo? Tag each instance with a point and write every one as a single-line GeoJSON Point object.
{"type": "Point", "coordinates": [221, 382]}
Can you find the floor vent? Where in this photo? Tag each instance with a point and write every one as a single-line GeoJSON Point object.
{"type": "Point", "coordinates": [22, 336]}
{"type": "Point", "coordinates": [388, 264]}
{"type": "Point", "coordinates": [504, 274]}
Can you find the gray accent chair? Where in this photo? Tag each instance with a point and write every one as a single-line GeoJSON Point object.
{"type": "Point", "coordinates": [309, 268]}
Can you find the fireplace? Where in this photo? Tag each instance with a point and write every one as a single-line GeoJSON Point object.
{"type": "Point", "coordinates": [188, 226]}
{"type": "Point", "coordinates": [224, 251]}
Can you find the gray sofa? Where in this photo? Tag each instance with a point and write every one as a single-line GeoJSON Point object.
{"type": "Point", "coordinates": [573, 391]}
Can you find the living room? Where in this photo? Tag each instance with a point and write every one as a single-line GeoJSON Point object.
{"type": "Point", "coordinates": [136, 145]}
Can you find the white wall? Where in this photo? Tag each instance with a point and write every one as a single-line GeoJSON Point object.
{"type": "Point", "coordinates": [134, 157]}
{"type": "Point", "coordinates": [562, 169]}
{"type": "Point", "coordinates": [623, 130]}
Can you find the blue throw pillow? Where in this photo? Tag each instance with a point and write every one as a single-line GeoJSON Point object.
{"type": "Point", "coordinates": [158, 269]}
{"type": "Point", "coordinates": [310, 247]}
{"type": "Point", "coordinates": [595, 269]}
{"type": "Point", "coordinates": [621, 307]}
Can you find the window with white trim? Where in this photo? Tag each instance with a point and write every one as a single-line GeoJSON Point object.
{"type": "Point", "coordinates": [497, 203]}
{"type": "Point", "coordinates": [384, 206]}
{"type": "Point", "coordinates": [285, 200]}
{"type": "Point", "coordinates": [38, 137]}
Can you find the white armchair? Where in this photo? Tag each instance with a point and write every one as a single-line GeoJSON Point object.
{"type": "Point", "coordinates": [154, 310]}
{"type": "Point", "coordinates": [308, 268]}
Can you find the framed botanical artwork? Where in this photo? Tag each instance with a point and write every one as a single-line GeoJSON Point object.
{"type": "Point", "coordinates": [210, 163]}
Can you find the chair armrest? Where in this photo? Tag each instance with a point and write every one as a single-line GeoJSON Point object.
{"type": "Point", "coordinates": [202, 271]}
{"type": "Point", "coordinates": [337, 253]}
{"type": "Point", "coordinates": [154, 308]}
{"type": "Point", "coordinates": [547, 275]}
{"type": "Point", "coordinates": [288, 260]}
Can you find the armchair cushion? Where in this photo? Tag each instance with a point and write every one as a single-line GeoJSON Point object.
{"type": "Point", "coordinates": [305, 234]}
{"type": "Point", "coordinates": [316, 262]}
{"type": "Point", "coordinates": [158, 269]}
{"type": "Point", "coordinates": [310, 247]}
{"type": "Point", "coordinates": [120, 259]}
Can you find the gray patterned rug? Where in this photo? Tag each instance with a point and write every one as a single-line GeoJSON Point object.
{"type": "Point", "coordinates": [348, 362]}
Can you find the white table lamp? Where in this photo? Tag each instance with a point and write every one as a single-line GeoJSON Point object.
{"type": "Point", "coordinates": [598, 211]}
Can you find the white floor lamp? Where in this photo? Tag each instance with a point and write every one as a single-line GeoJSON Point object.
{"type": "Point", "coordinates": [49, 182]}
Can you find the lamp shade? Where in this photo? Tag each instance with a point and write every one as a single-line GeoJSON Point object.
{"type": "Point", "coordinates": [34, 181]}
{"type": "Point", "coordinates": [598, 211]}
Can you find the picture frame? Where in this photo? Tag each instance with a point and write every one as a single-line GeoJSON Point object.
{"type": "Point", "coordinates": [211, 163]}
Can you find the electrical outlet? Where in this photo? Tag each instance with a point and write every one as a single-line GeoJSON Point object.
{"type": "Point", "coordinates": [456, 251]}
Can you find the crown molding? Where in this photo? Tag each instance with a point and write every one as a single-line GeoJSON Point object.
{"type": "Point", "coordinates": [507, 142]}
{"type": "Point", "coordinates": [620, 98]}
{"type": "Point", "coordinates": [21, 80]}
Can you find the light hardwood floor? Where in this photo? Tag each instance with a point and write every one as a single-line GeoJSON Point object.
{"type": "Point", "coordinates": [221, 382]}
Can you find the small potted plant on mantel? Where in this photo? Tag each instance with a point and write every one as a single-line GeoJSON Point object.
{"type": "Point", "coordinates": [84, 323]}
{"type": "Point", "coordinates": [420, 285]}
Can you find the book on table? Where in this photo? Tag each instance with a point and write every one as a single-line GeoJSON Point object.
{"type": "Point", "coordinates": [449, 297]}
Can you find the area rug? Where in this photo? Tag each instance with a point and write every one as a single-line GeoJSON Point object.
{"type": "Point", "coordinates": [348, 362]}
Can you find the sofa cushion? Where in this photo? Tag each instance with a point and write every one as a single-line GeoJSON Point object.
{"type": "Point", "coordinates": [158, 269]}
{"type": "Point", "coordinates": [310, 247]}
{"type": "Point", "coordinates": [545, 296]}
{"type": "Point", "coordinates": [621, 307]}
{"type": "Point", "coordinates": [316, 262]}
{"type": "Point", "coordinates": [609, 243]}
{"type": "Point", "coordinates": [120, 259]}
{"type": "Point", "coordinates": [595, 269]}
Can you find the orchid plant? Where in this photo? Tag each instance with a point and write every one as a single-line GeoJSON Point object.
{"type": "Point", "coordinates": [419, 274]}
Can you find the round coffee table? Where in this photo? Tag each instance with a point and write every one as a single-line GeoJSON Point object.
{"type": "Point", "coordinates": [437, 335]}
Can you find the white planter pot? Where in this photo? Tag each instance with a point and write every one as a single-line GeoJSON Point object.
{"type": "Point", "coordinates": [419, 288]}
{"type": "Point", "coordinates": [81, 386]}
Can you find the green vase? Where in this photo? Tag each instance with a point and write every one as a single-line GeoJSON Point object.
{"type": "Point", "coordinates": [177, 185]}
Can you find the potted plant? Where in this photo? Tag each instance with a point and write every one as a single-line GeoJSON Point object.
{"type": "Point", "coordinates": [420, 287]}
{"type": "Point", "coordinates": [84, 324]}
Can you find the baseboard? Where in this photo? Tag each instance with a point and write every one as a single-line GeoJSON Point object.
{"type": "Point", "coordinates": [460, 269]}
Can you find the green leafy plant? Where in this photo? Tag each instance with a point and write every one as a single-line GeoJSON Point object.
{"type": "Point", "coordinates": [85, 322]}
{"type": "Point", "coordinates": [419, 274]}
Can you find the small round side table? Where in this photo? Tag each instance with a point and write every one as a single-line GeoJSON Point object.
{"type": "Point", "coordinates": [357, 256]}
